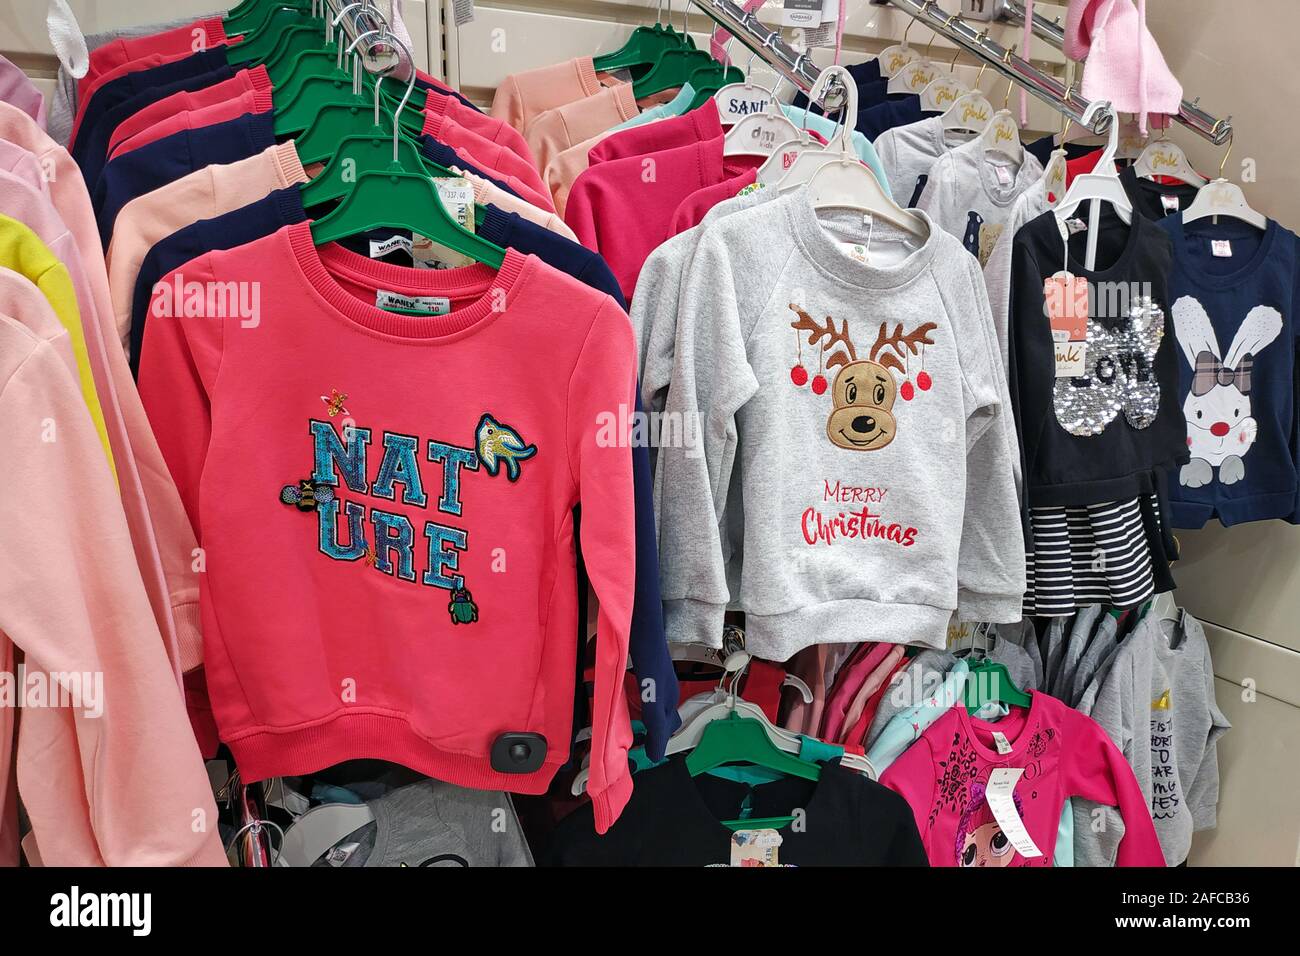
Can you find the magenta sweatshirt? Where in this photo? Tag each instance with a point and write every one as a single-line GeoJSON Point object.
{"type": "Point", "coordinates": [623, 208]}
{"type": "Point", "coordinates": [944, 777]}
{"type": "Point", "coordinates": [385, 506]}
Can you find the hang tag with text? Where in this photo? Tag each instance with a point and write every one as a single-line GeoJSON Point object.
{"type": "Point", "coordinates": [1066, 299]}
{"type": "Point", "coordinates": [801, 13]}
{"type": "Point", "coordinates": [755, 848]}
{"type": "Point", "coordinates": [1002, 783]}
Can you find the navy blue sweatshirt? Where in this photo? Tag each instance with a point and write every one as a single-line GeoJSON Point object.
{"type": "Point", "coordinates": [92, 144]}
{"type": "Point", "coordinates": [129, 85]}
{"type": "Point", "coordinates": [1234, 320]}
{"type": "Point", "coordinates": [168, 159]}
{"type": "Point", "coordinates": [445, 156]}
{"type": "Point", "coordinates": [866, 76]}
{"type": "Point", "coordinates": [899, 109]}
{"type": "Point", "coordinates": [647, 644]}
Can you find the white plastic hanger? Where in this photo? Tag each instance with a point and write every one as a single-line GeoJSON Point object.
{"type": "Point", "coordinates": [917, 74]}
{"type": "Point", "coordinates": [313, 833]}
{"type": "Point", "coordinates": [945, 88]}
{"type": "Point", "coordinates": [747, 92]}
{"type": "Point", "coordinates": [760, 134]}
{"type": "Point", "coordinates": [1002, 135]}
{"type": "Point", "coordinates": [837, 178]}
{"type": "Point", "coordinates": [1097, 187]}
{"type": "Point", "coordinates": [1223, 198]}
{"type": "Point", "coordinates": [893, 58]}
{"type": "Point", "coordinates": [1164, 157]}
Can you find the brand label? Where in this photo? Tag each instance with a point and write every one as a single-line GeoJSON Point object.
{"type": "Point", "coordinates": [433, 304]}
{"type": "Point", "coordinates": [382, 247]}
{"type": "Point", "coordinates": [1221, 248]}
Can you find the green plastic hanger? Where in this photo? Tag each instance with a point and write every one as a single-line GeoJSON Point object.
{"type": "Point", "coordinates": [396, 199]}
{"type": "Point", "coordinates": [279, 42]}
{"type": "Point", "coordinates": [736, 739]}
{"type": "Point", "coordinates": [643, 49]}
{"type": "Point", "coordinates": [707, 80]}
{"type": "Point", "coordinates": [363, 152]}
{"type": "Point", "coordinates": [993, 677]}
{"type": "Point", "coordinates": [251, 13]}
{"type": "Point", "coordinates": [671, 70]}
{"type": "Point", "coordinates": [298, 114]}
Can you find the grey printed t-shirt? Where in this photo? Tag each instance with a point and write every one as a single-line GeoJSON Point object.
{"type": "Point", "coordinates": [432, 823]}
{"type": "Point", "coordinates": [1157, 704]}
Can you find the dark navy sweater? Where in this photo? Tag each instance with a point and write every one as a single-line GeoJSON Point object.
{"type": "Point", "coordinates": [168, 159]}
{"type": "Point", "coordinates": [1234, 320]}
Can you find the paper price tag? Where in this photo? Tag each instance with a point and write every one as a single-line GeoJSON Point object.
{"type": "Point", "coordinates": [1002, 783]}
{"type": "Point", "coordinates": [1066, 297]}
{"type": "Point", "coordinates": [801, 13]}
{"type": "Point", "coordinates": [755, 848]}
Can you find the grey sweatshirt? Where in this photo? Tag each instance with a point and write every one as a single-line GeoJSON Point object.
{"type": "Point", "coordinates": [971, 192]}
{"type": "Point", "coordinates": [1157, 704]}
{"type": "Point", "coordinates": [908, 152]}
{"type": "Point", "coordinates": [874, 507]}
{"type": "Point", "coordinates": [1031, 204]}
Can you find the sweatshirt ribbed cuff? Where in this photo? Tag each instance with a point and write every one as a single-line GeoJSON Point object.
{"type": "Point", "coordinates": [259, 79]}
{"type": "Point", "coordinates": [189, 635]}
{"type": "Point", "coordinates": [288, 167]}
{"type": "Point", "coordinates": [989, 608]}
{"type": "Point", "coordinates": [607, 804]}
{"type": "Point", "coordinates": [587, 76]}
{"type": "Point", "coordinates": [625, 101]}
{"type": "Point", "coordinates": [262, 101]}
{"type": "Point", "coordinates": [687, 621]}
{"type": "Point", "coordinates": [214, 33]}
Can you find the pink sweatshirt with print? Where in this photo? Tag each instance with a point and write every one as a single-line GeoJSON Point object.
{"type": "Point", "coordinates": [944, 776]}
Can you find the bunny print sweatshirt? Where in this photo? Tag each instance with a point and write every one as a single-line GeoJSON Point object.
{"type": "Point", "coordinates": [849, 387]}
{"type": "Point", "coordinates": [384, 503]}
{"type": "Point", "coordinates": [1234, 291]}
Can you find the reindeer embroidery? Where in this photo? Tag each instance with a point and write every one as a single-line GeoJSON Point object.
{"type": "Point", "coordinates": [864, 392]}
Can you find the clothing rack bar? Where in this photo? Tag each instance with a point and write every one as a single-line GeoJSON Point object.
{"type": "Point", "coordinates": [1042, 85]}
{"type": "Point", "coordinates": [1190, 114]}
{"type": "Point", "coordinates": [767, 44]}
{"type": "Point", "coordinates": [362, 18]}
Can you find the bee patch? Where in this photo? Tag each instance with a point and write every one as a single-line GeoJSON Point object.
{"type": "Point", "coordinates": [306, 495]}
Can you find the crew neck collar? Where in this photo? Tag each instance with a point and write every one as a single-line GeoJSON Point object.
{"type": "Point", "coordinates": [1184, 234]}
{"type": "Point", "coordinates": [824, 252]}
{"type": "Point", "coordinates": [1023, 730]}
{"type": "Point", "coordinates": [495, 290]}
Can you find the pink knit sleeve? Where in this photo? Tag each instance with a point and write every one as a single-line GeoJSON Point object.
{"type": "Point", "coordinates": [1092, 767]}
{"type": "Point", "coordinates": [603, 379]}
{"type": "Point", "coordinates": [580, 210]}
{"type": "Point", "coordinates": [111, 775]}
{"type": "Point", "coordinates": [912, 776]}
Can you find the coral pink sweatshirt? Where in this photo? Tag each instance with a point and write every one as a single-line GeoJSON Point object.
{"type": "Point", "coordinates": [191, 38]}
{"type": "Point", "coordinates": [255, 101]}
{"type": "Point", "coordinates": [160, 532]}
{"type": "Point", "coordinates": [203, 194]}
{"type": "Point", "coordinates": [521, 96]}
{"type": "Point", "coordinates": [692, 210]}
{"type": "Point", "coordinates": [490, 128]}
{"type": "Point", "coordinates": [357, 600]}
{"type": "Point", "coordinates": [242, 82]}
{"type": "Point", "coordinates": [112, 777]}
{"type": "Point", "coordinates": [623, 208]}
{"type": "Point", "coordinates": [693, 127]}
{"type": "Point", "coordinates": [555, 130]}
{"type": "Point", "coordinates": [491, 157]}
{"type": "Point", "coordinates": [944, 776]}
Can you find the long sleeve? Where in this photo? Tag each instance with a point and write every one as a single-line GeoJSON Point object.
{"type": "Point", "coordinates": [1096, 770]}
{"type": "Point", "coordinates": [991, 559]}
{"type": "Point", "coordinates": [605, 377]}
{"type": "Point", "coordinates": [913, 776]}
{"type": "Point", "coordinates": [1203, 793]}
{"type": "Point", "coordinates": [117, 778]}
{"type": "Point", "coordinates": [711, 381]}
{"type": "Point", "coordinates": [179, 361]}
